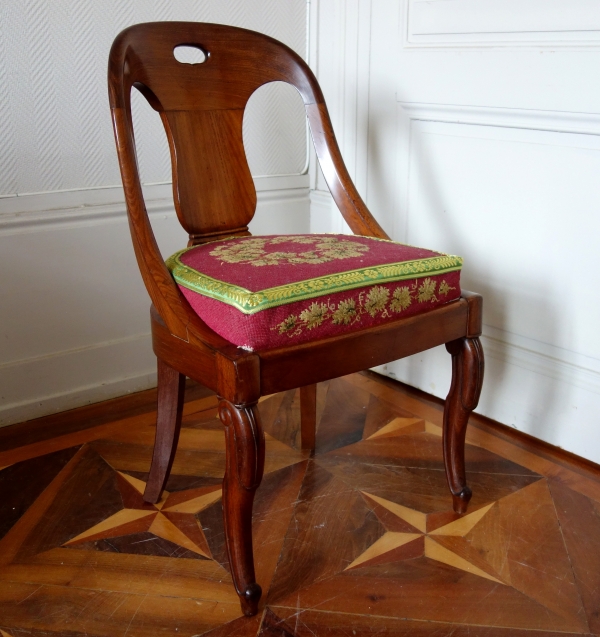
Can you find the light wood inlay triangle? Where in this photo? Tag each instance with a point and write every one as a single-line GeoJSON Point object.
{"type": "Point", "coordinates": [415, 518]}
{"type": "Point", "coordinates": [395, 425]}
{"type": "Point", "coordinates": [436, 552]}
{"type": "Point", "coordinates": [197, 504]}
{"type": "Point", "coordinates": [162, 527]}
{"type": "Point", "coordinates": [384, 544]}
{"type": "Point", "coordinates": [463, 525]}
{"type": "Point", "coordinates": [430, 428]}
{"type": "Point", "coordinates": [140, 487]}
{"type": "Point", "coordinates": [113, 525]}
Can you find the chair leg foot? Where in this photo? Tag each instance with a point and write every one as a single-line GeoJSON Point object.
{"type": "Point", "coordinates": [171, 388]}
{"type": "Point", "coordinates": [460, 501]}
{"type": "Point", "coordinates": [467, 378]}
{"type": "Point", "coordinates": [249, 600]}
{"type": "Point", "coordinates": [245, 457]}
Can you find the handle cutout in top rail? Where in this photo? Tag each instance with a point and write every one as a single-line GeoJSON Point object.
{"type": "Point", "coordinates": [190, 54]}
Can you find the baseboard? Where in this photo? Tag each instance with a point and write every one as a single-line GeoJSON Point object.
{"type": "Point", "coordinates": [556, 454]}
{"type": "Point", "coordinates": [538, 389]}
{"type": "Point", "coordinates": [64, 380]}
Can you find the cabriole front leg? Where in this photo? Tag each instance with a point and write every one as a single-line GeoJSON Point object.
{"type": "Point", "coordinates": [245, 458]}
{"type": "Point", "coordinates": [467, 378]}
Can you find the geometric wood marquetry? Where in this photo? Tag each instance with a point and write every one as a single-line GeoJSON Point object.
{"type": "Point", "coordinates": [386, 548]}
{"type": "Point", "coordinates": [360, 539]}
{"type": "Point", "coordinates": [172, 518]}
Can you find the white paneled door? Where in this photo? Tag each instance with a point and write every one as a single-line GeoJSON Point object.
{"type": "Point", "coordinates": [483, 134]}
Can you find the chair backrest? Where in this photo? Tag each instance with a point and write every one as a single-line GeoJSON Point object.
{"type": "Point", "coordinates": [202, 106]}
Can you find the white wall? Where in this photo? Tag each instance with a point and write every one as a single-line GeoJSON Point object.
{"type": "Point", "coordinates": [74, 324]}
{"type": "Point", "coordinates": [477, 132]}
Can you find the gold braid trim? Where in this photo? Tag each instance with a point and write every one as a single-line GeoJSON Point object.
{"type": "Point", "coordinates": [250, 302]}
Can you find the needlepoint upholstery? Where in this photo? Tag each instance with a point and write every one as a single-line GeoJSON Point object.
{"type": "Point", "coordinates": [267, 291]}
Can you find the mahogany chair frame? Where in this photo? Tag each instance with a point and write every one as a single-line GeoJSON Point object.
{"type": "Point", "coordinates": [201, 107]}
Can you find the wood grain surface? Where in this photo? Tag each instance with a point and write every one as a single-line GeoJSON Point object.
{"type": "Point", "coordinates": [358, 539]}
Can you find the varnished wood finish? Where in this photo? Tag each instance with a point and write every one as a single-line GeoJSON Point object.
{"type": "Point", "coordinates": [359, 538]}
{"type": "Point", "coordinates": [245, 459]}
{"type": "Point", "coordinates": [467, 379]}
{"type": "Point", "coordinates": [316, 361]}
{"type": "Point", "coordinates": [171, 385]}
{"type": "Point", "coordinates": [201, 107]}
{"type": "Point", "coordinates": [308, 416]}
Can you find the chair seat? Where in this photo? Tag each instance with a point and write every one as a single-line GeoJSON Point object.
{"type": "Point", "coordinates": [267, 291]}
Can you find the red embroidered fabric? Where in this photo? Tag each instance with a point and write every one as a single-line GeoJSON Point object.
{"type": "Point", "coordinates": [258, 264]}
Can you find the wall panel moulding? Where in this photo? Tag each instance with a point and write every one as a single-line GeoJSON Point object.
{"type": "Point", "coordinates": [456, 23]}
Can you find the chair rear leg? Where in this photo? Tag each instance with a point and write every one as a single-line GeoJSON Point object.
{"type": "Point", "coordinates": [467, 378]}
{"type": "Point", "coordinates": [308, 416]}
{"type": "Point", "coordinates": [244, 464]}
{"type": "Point", "coordinates": [171, 387]}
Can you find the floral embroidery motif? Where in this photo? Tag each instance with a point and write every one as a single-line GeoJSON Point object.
{"type": "Point", "coordinates": [253, 252]}
{"type": "Point", "coordinates": [401, 299]}
{"type": "Point", "coordinates": [314, 315]}
{"type": "Point", "coordinates": [427, 291]}
{"type": "Point", "coordinates": [351, 311]}
{"type": "Point", "coordinates": [345, 313]}
{"type": "Point", "coordinates": [289, 324]}
{"type": "Point", "coordinates": [444, 288]}
{"type": "Point", "coordinates": [376, 300]}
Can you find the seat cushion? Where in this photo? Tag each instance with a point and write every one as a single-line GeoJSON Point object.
{"type": "Point", "coordinates": [267, 291]}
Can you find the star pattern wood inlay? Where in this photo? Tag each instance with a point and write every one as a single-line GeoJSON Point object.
{"type": "Point", "coordinates": [172, 518]}
{"type": "Point", "coordinates": [398, 545]}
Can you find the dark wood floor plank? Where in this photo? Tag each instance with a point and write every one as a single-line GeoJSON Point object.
{"type": "Point", "coordinates": [18, 536]}
{"type": "Point", "coordinates": [286, 622]}
{"type": "Point", "coordinates": [380, 413]}
{"type": "Point", "coordinates": [318, 544]}
{"type": "Point", "coordinates": [22, 483]}
{"type": "Point", "coordinates": [93, 612]}
{"type": "Point", "coordinates": [334, 432]}
{"type": "Point", "coordinates": [424, 489]}
{"type": "Point", "coordinates": [281, 417]}
{"type": "Point", "coordinates": [94, 570]}
{"type": "Point", "coordinates": [274, 507]}
{"type": "Point", "coordinates": [427, 593]}
{"type": "Point", "coordinates": [420, 402]}
{"type": "Point", "coordinates": [580, 524]}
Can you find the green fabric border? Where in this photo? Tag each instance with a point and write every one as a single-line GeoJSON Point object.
{"type": "Point", "coordinates": [250, 302]}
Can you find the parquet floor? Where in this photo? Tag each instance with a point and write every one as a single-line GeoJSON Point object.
{"type": "Point", "coordinates": [359, 540]}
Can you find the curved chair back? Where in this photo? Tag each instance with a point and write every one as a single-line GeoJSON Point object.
{"type": "Point", "coordinates": [201, 107]}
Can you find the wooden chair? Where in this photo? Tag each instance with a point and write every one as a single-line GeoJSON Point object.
{"type": "Point", "coordinates": [201, 107]}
